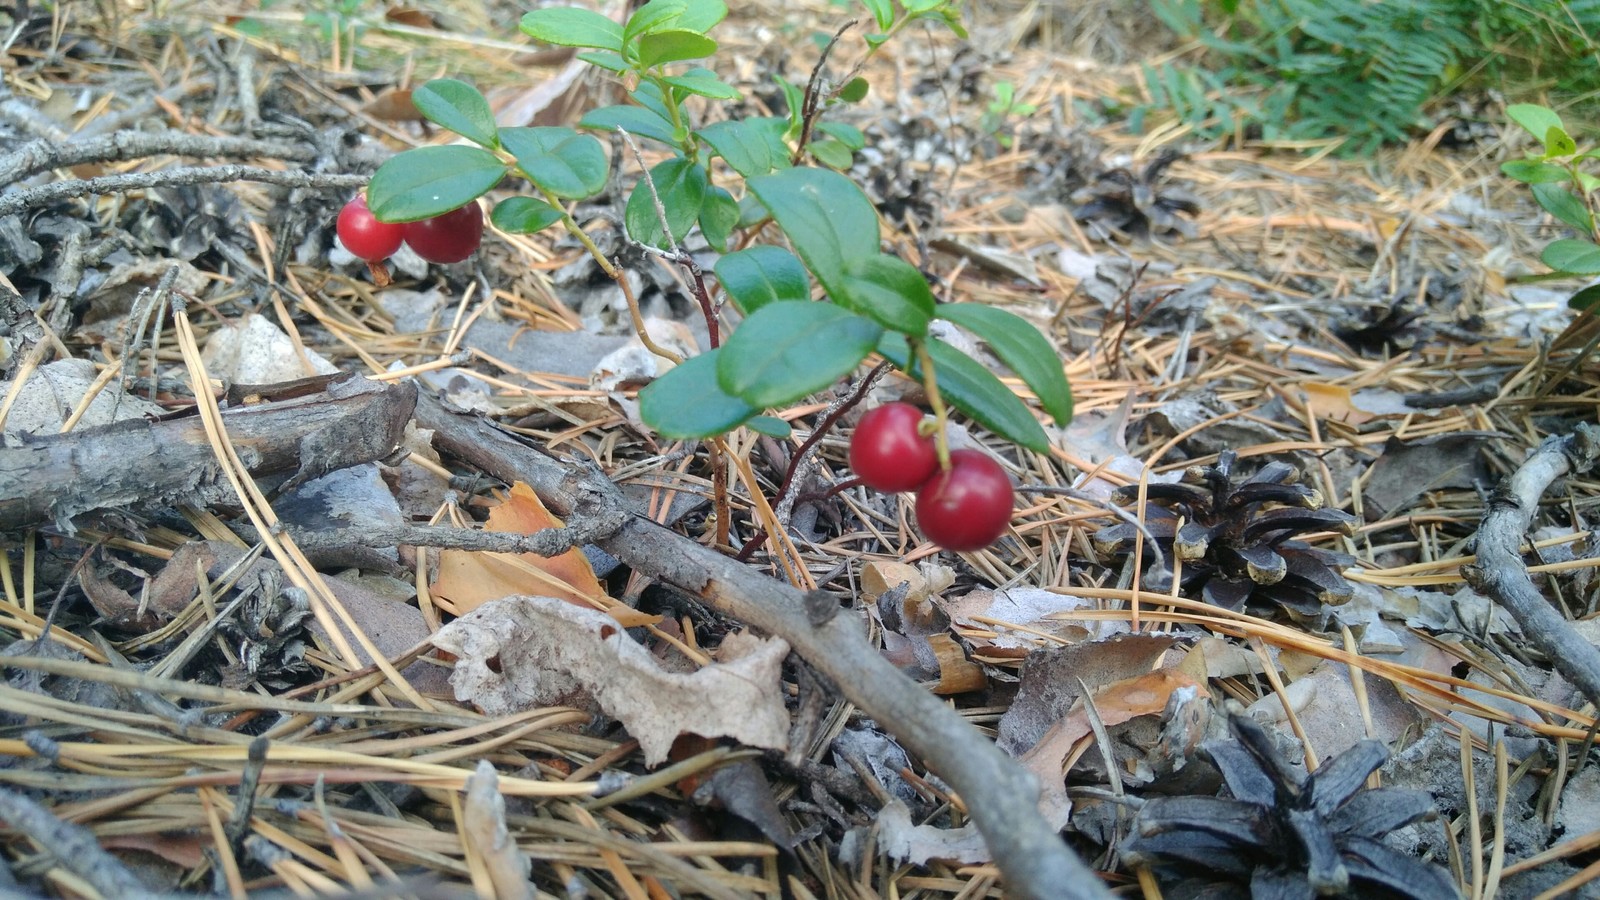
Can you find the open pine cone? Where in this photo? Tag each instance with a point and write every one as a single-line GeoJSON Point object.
{"type": "Point", "coordinates": [1233, 541]}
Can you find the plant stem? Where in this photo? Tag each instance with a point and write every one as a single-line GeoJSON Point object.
{"type": "Point", "coordinates": [930, 384]}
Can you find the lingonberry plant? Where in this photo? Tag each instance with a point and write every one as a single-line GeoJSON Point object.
{"type": "Point", "coordinates": [449, 237]}
{"type": "Point", "coordinates": [364, 236]}
{"type": "Point", "coordinates": [890, 452]}
{"type": "Point", "coordinates": [732, 179]}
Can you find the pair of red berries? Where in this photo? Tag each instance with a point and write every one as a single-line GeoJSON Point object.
{"type": "Point", "coordinates": [964, 507]}
{"type": "Point", "coordinates": [447, 238]}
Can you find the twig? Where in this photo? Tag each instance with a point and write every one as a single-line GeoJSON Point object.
{"type": "Point", "coordinates": [73, 845]}
{"type": "Point", "coordinates": [677, 254]}
{"type": "Point", "coordinates": [811, 103]}
{"type": "Point", "coordinates": [37, 156]}
{"type": "Point", "coordinates": [1001, 796]}
{"type": "Point", "coordinates": [1500, 574]}
{"type": "Point", "coordinates": [44, 195]}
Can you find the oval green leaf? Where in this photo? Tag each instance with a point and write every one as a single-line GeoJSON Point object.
{"type": "Point", "coordinates": [855, 90]}
{"type": "Point", "coordinates": [761, 275]}
{"type": "Point", "coordinates": [751, 146]}
{"type": "Point", "coordinates": [605, 59]}
{"type": "Point", "coordinates": [831, 153]}
{"type": "Point", "coordinates": [1559, 201]}
{"type": "Point", "coordinates": [569, 26]}
{"type": "Point", "coordinates": [701, 15]}
{"type": "Point", "coordinates": [890, 291]}
{"type": "Point", "coordinates": [1535, 119]}
{"type": "Point", "coordinates": [1576, 256]}
{"type": "Point", "coordinates": [704, 85]}
{"type": "Point", "coordinates": [429, 181]}
{"type": "Point", "coordinates": [830, 222]}
{"type": "Point", "coordinates": [560, 160]}
{"type": "Point", "coordinates": [848, 135]}
{"type": "Point", "coordinates": [687, 402]}
{"type": "Point", "coordinates": [1020, 346]}
{"type": "Point", "coordinates": [635, 120]}
{"type": "Point", "coordinates": [882, 13]}
{"type": "Point", "coordinates": [1558, 143]}
{"type": "Point", "coordinates": [654, 16]}
{"type": "Point", "coordinates": [674, 45]}
{"type": "Point", "coordinates": [1533, 171]}
{"type": "Point", "coordinates": [1585, 300]}
{"type": "Point", "coordinates": [524, 215]}
{"type": "Point", "coordinates": [681, 186]}
{"type": "Point", "coordinates": [459, 107]}
{"type": "Point", "coordinates": [771, 426]}
{"type": "Point", "coordinates": [971, 388]}
{"type": "Point", "coordinates": [785, 351]}
{"type": "Point", "coordinates": [719, 215]}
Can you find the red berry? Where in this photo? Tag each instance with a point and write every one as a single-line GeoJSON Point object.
{"type": "Point", "coordinates": [364, 236]}
{"type": "Point", "coordinates": [888, 453]}
{"type": "Point", "coordinates": [447, 238]}
{"type": "Point", "coordinates": [967, 506]}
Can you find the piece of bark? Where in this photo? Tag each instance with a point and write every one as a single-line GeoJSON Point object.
{"type": "Point", "coordinates": [1000, 796]}
{"type": "Point", "coordinates": [144, 464]}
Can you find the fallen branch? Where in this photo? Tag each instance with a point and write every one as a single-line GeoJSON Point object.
{"type": "Point", "coordinates": [1000, 796]}
{"type": "Point", "coordinates": [16, 201]}
{"type": "Point", "coordinates": [73, 845]}
{"type": "Point", "coordinates": [37, 156]}
{"type": "Point", "coordinates": [1500, 574]}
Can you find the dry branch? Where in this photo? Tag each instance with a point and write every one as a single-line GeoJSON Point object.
{"type": "Point", "coordinates": [1001, 798]}
{"type": "Point", "coordinates": [1500, 574]}
{"type": "Point", "coordinates": [37, 156]}
{"type": "Point", "coordinates": [16, 201]}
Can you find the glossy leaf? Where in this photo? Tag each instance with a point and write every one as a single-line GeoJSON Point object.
{"type": "Point", "coordinates": [1576, 256]}
{"type": "Point", "coordinates": [636, 120]}
{"type": "Point", "coordinates": [888, 290]}
{"type": "Point", "coordinates": [703, 85]}
{"type": "Point", "coordinates": [1021, 347]}
{"type": "Point", "coordinates": [1558, 143]}
{"type": "Point", "coordinates": [830, 222]}
{"type": "Point", "coordinates": [855, 90]}
{"type": "Point", "coordinates": [831, 153]}
{"type": "Point", "coordinates": [1585, 300]}
{"type": "Point", "coordinates": [1561, 202]}
{"type": "Point", "coordinates": [1533, 171]}
{"type": "Point", "coordinates": [751, 146]}
{"type": "Point", "coordinates": [681, 186]}
{"type": "Point", "coordinates": [429, 181]}
{"type": "Point", "coordinates": [882, 12]}
{"type": "Point", "coordinates": [971, 388]}
{"type": "Point", "coordinates": [848, 135]}
{"type": "Point", "coordinates": [570, 26]}
{"type": "Point", "coordinates": [687, 402]}
{"type": "Point", "coordinates": [719, 215]}
{"type": "Point", "coordinates": [457, 106]}
{"type": "Point", "coordinates": [649, 96]}
{"type": "Point", "coordinates": [654, 16]}
{"type": "Point", "coordinates": [1535, 119]}
{"type": "Point", "coordinates": [560, 160]}
{"type": "Point", "coordinates": [702, 15]}
{"type": "Point", "coordinates": [794, 98]}
{"type": "Point", "coordinates": [785, 351]}
{"type": "Point", "coordinates": [605, 59]}
{"type": "Point", "coordinates": [761, 275]}
{"type": "Point", "coordinates": [674, 46]}
{"type": "Point", "coordinates": [524, 215]}
{"type": "Point", "coordinates": [771, 426]}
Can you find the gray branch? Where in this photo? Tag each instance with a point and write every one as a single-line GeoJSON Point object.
{"type": "Point", "coordinates": [1500, 574]}
{"type": "Point", "coordinates": [37, 156]}
{"type": "Point", "coordinates": [17, 201]}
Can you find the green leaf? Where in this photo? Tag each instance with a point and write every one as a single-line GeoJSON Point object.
{"type": "Point", "coordinates": [656, 15]}
{"type": "Point", "coordinates": [704, 86]}
{"type": "Point", "coordinates": [761, 275]}
{"type": "Point", "coordinates": [457, 106]}
{"type": "Point", "coordinates": [1586, 299]}
{"type": "Point", "coordinates": [560, 160]}
{"type": "Point", "coordinates": [569, 26]}
{"type": "Point", "coordinates": [1533, 171]}
{"type": "Point", "coordinates": [1021, 347]}
{"type": "Point", "coordinates": [636, 120]}
{"type": "Point", "coordinates": [1560, 202]}
{"type": "Point", "coordinates": [830, 222]}
{"type": "Point", "coordinates": [682, 188]}
{"type": "Point", "coordinates": [831, 153]}
{"type": "Point", "coordinates": [1578, 257]}
{"type": "Point", "coordinates": [751, 146]}
{"type": "Point", "coordinates": [674, 46]}
{"type": "Point", "coordinates": [524, 215]}
{"type": "Point", "coordinates": [855, 90]}
{"type": "Point", "coordinates": [719, 215]}
{"type": "Point", "coordinates": [703, 15]}
{"type": "Point", "coordinates": [687, 402]}
{"type": "Point", "coordinates": [649, 96]}
{"type": "Point", "coordinates": [429, 181]}
{"type": "Point", "coordinates": [785, 351]}
{"type": "Point", "coordinates": [605, 59]}
{"type": "Point", "coordinates": [1535, 119]}
{"type": "Point", "coordinates": [882, 13]}
{"type": "Point", "coordinates": [890, 291]}
{"type": "Point", "coordinates": [971, 388]}
{"type": "Point", "coordinates": [1558, 143]}
{"type": "Point", "coordinates": [848, 135]}
{"type": "Point", "coordinates": [772, 426]}
{"type": "Point", "coordinates": [794, 99]}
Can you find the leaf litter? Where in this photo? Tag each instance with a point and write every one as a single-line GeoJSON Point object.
{"type": "Point", "coordinates": [1323, 318]}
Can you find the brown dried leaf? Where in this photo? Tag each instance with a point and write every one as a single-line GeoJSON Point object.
{"type": "Point", "coordinates": [520, 653]}
{"type": "Point", "coordinates": [470, 579]}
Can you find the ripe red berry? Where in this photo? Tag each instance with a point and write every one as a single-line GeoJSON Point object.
{"type": "Point", "coordinates": [967, 506]}
{"type": "Point", "coordinates": [449, 237]}
{"type": "Point", "coordinates": [364, 236]}
{"type": "Point", "coordinates": [888, 453]}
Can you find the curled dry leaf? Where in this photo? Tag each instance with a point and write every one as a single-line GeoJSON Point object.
{"type": "Point", "coordinates": [520, 653]}
{"type": "Point", "coordinates": [904, 841]}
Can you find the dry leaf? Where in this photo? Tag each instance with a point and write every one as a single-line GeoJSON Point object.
{"type": "Point", "coordinates": [470, 579]}
{"type": "Point", "coordinates": [483, 817]}
{"type": "Point", "coordinates": [906, 842]}
{"type": "Point", "coordinates": [520, 653]}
